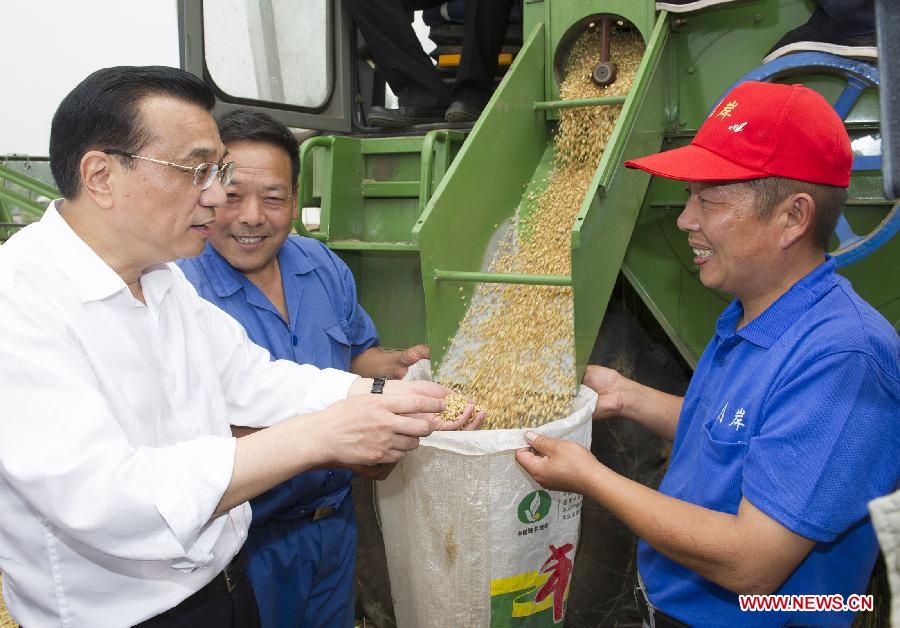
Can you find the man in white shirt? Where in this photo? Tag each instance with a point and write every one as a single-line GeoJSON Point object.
{"type": "Point", "coordinates": [122, 493]}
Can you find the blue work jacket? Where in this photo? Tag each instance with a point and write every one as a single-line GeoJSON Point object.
{"type": "Point", "coordinates": [326, 328]}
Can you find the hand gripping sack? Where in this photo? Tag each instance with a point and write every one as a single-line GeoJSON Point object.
{"type": "Point", "coordinates": [471, 539]}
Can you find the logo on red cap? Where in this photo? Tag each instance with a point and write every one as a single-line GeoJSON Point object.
{"type": "Point", "coordinates": [784, 131]}
{"type": "Point", "coordinates": [727, 108]}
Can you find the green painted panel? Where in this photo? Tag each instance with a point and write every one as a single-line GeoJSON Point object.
{"type": "Point", "coordinates": [716, 46]}
{"type": "Point", "coordinates": [369, 193]}
{"type": "Point", "coordinates": [369, 245]}
{"type": "Point", "coordinates": [482, 188]}
{"type": "Point", "coordinates": [390, 189]}
{"type": "Point", "coordinates": [342, 217]}
{"type": "Point", "coordinates": [603, 227]}
{"type": "Point", "coordinates": [386, 219]}
{"type": "Point", "coordinates": [391, 145]}
{"type": "Point", "coordinates": [396, 167]}
{"type": "Point", "coordinates": [389, 287]}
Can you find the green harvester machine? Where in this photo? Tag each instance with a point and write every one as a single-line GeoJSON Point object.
{"type": "Point", "coordinates": [413, 216]}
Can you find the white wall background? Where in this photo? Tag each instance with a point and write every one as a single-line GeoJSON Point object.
{"type": "Point", "coordinates": [48, 46]}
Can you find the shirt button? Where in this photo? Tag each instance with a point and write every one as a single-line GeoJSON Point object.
{"type": "Point", "coordinates": [294, 340]}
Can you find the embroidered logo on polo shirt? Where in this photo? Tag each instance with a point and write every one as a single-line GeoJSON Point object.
{"type": "Point", "coordinates": [737, 128]}
{"type": "Point", "coordinates": [721, 416]}
{"type": "Point", "coordinates": [738, 421]}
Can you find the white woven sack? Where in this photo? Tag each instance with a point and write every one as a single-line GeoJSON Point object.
{"type": "Point", "coordinates": [471, 539]}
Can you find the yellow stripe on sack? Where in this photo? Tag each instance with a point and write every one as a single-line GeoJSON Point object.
{"type": "Point", "coordinates": [523, 605]}
{"type": "Point", "coordinates": [502, 586]}
{"type": "Point", "coordinates": [527, 606]}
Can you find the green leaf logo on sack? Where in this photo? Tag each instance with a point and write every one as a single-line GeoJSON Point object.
{"type": "Point", "coordinates": [534, 507]}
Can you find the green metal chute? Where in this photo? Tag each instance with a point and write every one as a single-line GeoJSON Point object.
{"type": "Point", "coordinates": [513, 142]}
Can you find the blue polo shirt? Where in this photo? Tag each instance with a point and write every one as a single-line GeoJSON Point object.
{"type": "Point", "coordinates": [799, 412]}
{"type": "Point", "coordinates": [326, 328]}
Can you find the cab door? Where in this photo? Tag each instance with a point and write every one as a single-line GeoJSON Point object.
{"type": "Point", "coordinates": [289, 58]}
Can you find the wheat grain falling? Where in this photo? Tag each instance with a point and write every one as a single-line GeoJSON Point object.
{"type": "Point", "coordinates": [514, 351]}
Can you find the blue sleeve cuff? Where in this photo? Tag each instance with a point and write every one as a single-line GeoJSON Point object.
{"type": "Point", "coordinates": [787, 519]}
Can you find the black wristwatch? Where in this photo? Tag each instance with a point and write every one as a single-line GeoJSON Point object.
{"type": "Point", "coordinates": [378, 385]}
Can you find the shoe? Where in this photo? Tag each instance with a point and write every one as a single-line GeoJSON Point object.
{"type": "Point", "coordinates": [805, 38]}
{"type": "Point", "coordinates": [403, 117]}
{"type": "Point", "coordinates": [684, 6]}
{"type": "Point", "coordinates": [459, 111]}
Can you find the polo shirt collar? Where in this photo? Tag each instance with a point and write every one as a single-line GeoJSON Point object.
{"type": "Point", "coordinates": [767, 328]}
{"type": "Point", "coordinates": [297, 264]}
{"type": "Point", "coordinates": [225, 280]}
{"type": "Point", "coordinates": [91, 277]}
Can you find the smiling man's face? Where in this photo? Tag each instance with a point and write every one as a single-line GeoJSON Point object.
{"type": "Point", "coordinates": [734, 249]}
{"type": "Point", "coordinates": [257, 216]}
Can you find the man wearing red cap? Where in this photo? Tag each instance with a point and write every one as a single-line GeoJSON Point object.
{"type": "Point", "coordinates": [789, 426]}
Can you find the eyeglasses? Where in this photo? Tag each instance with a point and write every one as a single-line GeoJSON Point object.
{"type": "Point", "coordinates": [204, 173]}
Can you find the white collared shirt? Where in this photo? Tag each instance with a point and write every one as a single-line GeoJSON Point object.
{"type": "Point", "coordinates": [115, 446]}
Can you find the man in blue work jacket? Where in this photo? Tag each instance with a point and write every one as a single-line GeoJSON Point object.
{"type": "Point", "coordinates": [298, 300]}
{"type": "Point", "coordinates": [789, 426]}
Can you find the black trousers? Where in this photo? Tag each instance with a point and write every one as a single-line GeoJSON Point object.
{"type": "Point", "coordinates": [844, 18]}
{"type": "Point", "coordinates": [214, 607]}
{"type": "Point", "coordinates": [393, 44]}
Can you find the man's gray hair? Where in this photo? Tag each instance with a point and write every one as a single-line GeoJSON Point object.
{"type": "Point", "coordinates": [829, 200]}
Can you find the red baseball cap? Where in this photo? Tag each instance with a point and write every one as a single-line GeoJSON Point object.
{"type": "Point", "coordinates": [762, 130]}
